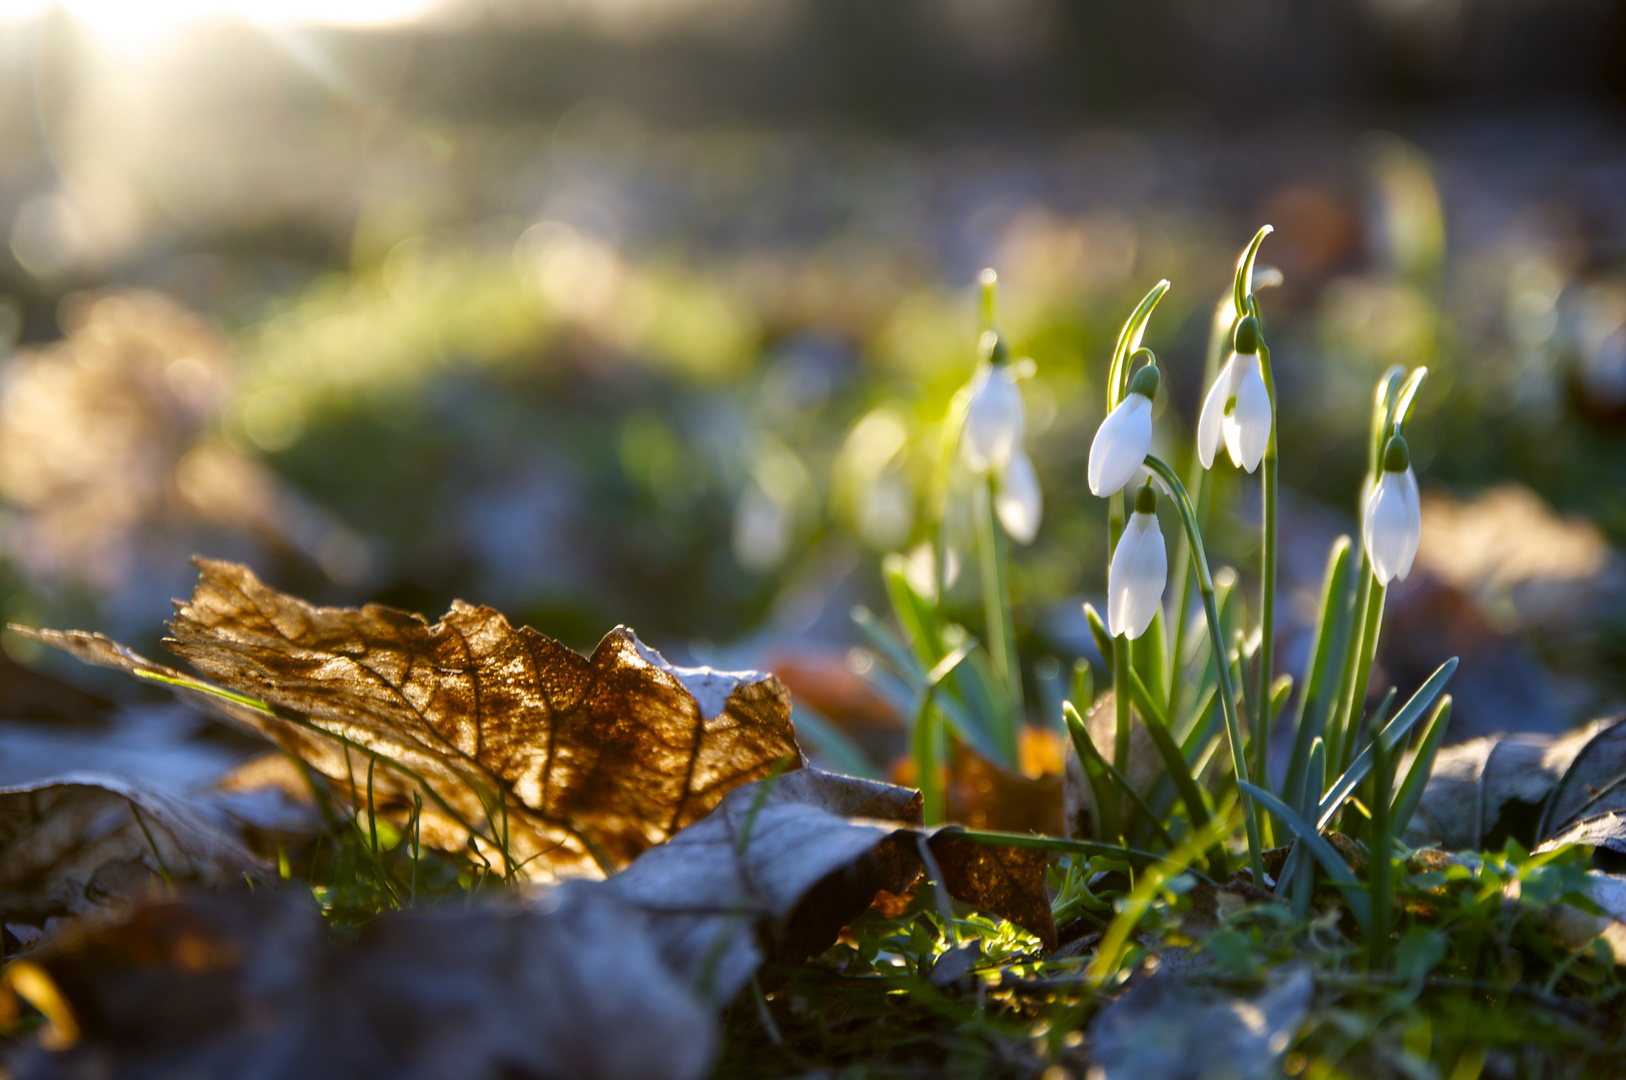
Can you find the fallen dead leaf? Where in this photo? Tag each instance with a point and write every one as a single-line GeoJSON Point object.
{"type": "Point", "coordinates": [792, 864]}
{"type": "Point", "coordinates": [1145, 767]}
{"type": "Point", "coordinates": [610, 980]}
{"type": "Point", "coordinates": [87, 842]}
{"type": "Point", "coordinates": [1525, 785]}
{"type": "Point", "coordinates": [250, 985]}
{"type": "Point", "coordinates": [577, 763]}
{"type": "Point", "coordinates": [1170, 1028]}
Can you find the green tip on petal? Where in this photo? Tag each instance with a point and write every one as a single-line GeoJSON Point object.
{"type": "Point", "coordinates": [1245, 339]}
{"type": "Point", "coordinates": [1146, 499]}
{"type": "Point", "coordinates": [1146, 381]}
{"type": "Point", "coordinates": [992, 348]}
{"type": "Point", "coordinates": [1396, 456]}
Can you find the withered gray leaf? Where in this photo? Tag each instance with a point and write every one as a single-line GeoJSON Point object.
{"type": "Point", "coordinates": [252, 986]}
{"type": "Point", "coordinates": [1486, 789]}
{"type": "Point", "coordinates": [578, 763]}
{"type": "Point", "coordinates": [1594, 784]}
{"type": "Point", "coordinates": [1170, 1028]}
{"type": "Point", "coordinates": [754, 859]}
{"type": "Point", "coordinates": [790, 860]}
{"type": "Point", "coordinates": [86, 842]}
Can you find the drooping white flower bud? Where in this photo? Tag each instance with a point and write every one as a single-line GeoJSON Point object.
{"type": "Point", "coordinates": [1237, 408]}
{"type": "Point", "coordinates": [1393, 522]}
{"type": "Point", "coordinates": [1139, 570]}
{"type": "Point", "coordinates": [994, 420]}
{"type": "Point", "coordinates": [1125, 436]}
{"type": "Point", "coordinates": [1017, 498]}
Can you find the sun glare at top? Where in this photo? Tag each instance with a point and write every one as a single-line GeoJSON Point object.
{"type": "Point", "coordinates": [128, 25]}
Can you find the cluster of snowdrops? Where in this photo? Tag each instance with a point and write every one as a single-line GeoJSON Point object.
{"type": "Point", "coordinates": [1144, 639]}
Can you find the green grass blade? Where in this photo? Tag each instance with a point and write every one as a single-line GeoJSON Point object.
{"type": "Point", "coordinates": [963, 715]}
{"type": "Point", "coordinates": [1324, 667]}
{"type": "Point", "coordinates": [1280, 691]}
{"type": "Point", "coordinates": [1179, 772]}
{"type": "Point", "coordinates": [1324, 853]}
{"type": "Point", "coordinates": [917, 617]}
{"type": "Point", "coordinates": [1083, 684]}
{"type": "Point", "coordinates": [1109, 953]}
{"type": "Point", "coordinates": [1090, 760]}
{"type": "Point", "coordinates": [1195, 729]}
{"type": "Point", "coordinates": [1378, 884]}
{"type": "Point", "coordinates": [1103, 638]}
{"type": "Point", "coordinates": [1422, 766]}
{"type": "Point", "coordinates": [1033, 841]}
{"type": "Point", "coordinates": [1303, 888]}
{"type": "Point", "coordinates": [832, 744]}
{"type": "Point", "coordinates": [1394, 731]}
{"type": "Point", "coordinates": [1086, 746]}
{"type": "Point", "coordinates": [896, 653]}
{"type": "Point", "coordinates": [927, 745]}
{"type": "Point", "coordinates": [1142, 697]}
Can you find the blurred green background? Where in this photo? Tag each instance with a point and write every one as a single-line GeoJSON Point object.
{"type": "Point", "coordinates": [647, 311]}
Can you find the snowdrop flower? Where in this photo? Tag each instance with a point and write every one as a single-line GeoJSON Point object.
{"type": "Point", "coordinates": [1139, 571]}
{"type": "Point", "coordinates": [1393, 522]}
{"type": "Point", "coordinates": [991, 442]}
{"type": "Point", "coordinates": [994, 420]}
{"type": "Point", "coordinates": [1017, 498]}
{"type": "Point", "coordinates": [1125, 436]}
{"type": "Point", "coordinates": [1237, 408]}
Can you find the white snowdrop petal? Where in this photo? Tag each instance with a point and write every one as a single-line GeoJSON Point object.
{"type": "Point", "coordinates": [1411, 502]}
{"type": "Point", "coordinates": [1018, 500]}
{"type": "Point", "coordinates": [1120, 445]}
{"type": "Point", "coordinates": [1251, 417]}
{"type": "Point", "coordinates": [1211, 424]}
{"type": "Point", "coordinates": [994, 420]}
{"type": "Point", "coordinates": [1137, 576]}
{"type": "Point", "coordinates": [1384, 531]}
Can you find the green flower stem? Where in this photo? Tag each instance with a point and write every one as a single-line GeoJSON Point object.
{"type": "Point", "coordinates": [1267, 585]}
{"type": "Point", "coordinates": [928, 754]}
{"type": "Point", "coordinates": [1378, 877]}
{"type": "Point", "coordinates": [1120, 702]}
{"type": "Point", "coordinates": [1199, 484]}
{"type": "Point", "coordinates": [1338, 715]}
{"type": "Point", "coordinates": [996, 606]}
{"type": "Point", "coordinates": [1222, 670]}
{"type": "Point", "coordinates": [1361, 673]}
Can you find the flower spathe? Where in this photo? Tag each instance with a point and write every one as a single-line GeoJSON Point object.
{"type": "Point", "coordinates": [1139, 570]}
{"type": "Point", "coordinates": [1393, 521]}
{"type": "Point", "coordinates": [1017, 498]}
{"type": "Point", "coordinates": [994, 420]}
{"type": "Point", "coordinates": [1124, 437]}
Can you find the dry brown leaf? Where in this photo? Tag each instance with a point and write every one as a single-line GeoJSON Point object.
{"type": "Point", "coordinates": [88, 842]}
{"type": "Point", "coordinates": [25, 694]}
{"type": "Point", "coordinates": [581, 763]}
{"type": "Point", "coordinates": [1007, 881]}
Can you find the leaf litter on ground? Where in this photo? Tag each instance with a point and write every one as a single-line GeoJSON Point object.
{"type": "Point", "coordinates": [685, 786]}
{"type": "Point", "coordinates": [729, 865]}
